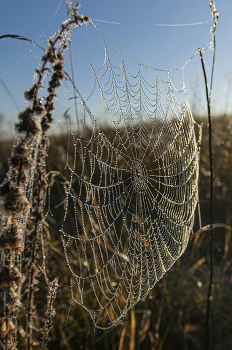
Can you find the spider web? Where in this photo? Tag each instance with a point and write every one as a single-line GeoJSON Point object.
{"type": "Point", "coordinates": [133, 190]}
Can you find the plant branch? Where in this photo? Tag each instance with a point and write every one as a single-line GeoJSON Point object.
{"type": "Point", "coordinates": [211, 204]}
{"type": "Point", "coordinates": [208, 99]}
{"type": "Point", "coordinates": [23, 192]}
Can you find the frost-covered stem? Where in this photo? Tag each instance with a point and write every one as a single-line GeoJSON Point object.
{"type": "Point", "coordinates": [30, 314]}
{"type": "Point", "coordinates": [37, 222]}
{"type": "Point", "coordinates": [50, 312]}
{"type": "Point", "coordinates": [40, 183]}
{"type": "Point", "coordinates": [17, 190]}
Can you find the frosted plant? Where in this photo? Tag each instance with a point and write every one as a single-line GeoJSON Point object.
{"type": "Point", "coordinates": [23, 193]}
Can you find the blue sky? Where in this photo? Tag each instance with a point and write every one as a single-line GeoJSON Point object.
{"type": "Point", "coordinates": [139, 35]}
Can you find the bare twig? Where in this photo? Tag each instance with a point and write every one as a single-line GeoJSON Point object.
{"type": "Point", "coordinates": [211, 204]}
{"type": "Point", "coordinates": [50, 312]}
{"type": "Point", "coordinates": [208, 99]}
{"type": "Point", "coordinates": [21, 38]}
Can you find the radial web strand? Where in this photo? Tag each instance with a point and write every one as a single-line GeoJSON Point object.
{"type": "Point", "coordinates": [132, 192]}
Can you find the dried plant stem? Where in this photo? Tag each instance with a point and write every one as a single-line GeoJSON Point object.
{"type": "Point", "coordinates": [50, 312]}
{"type": "Point", "coordinates": [74, 91]}
{"type": "Point", "coordinates": [211, 206]}
{"type": "Point", "coordinates": [36, 233]}
{"type": "Point", "coordinates": [20, 37]}
{"type": "Point", "coordinates": [23, 193]}
{"type": "Point", "coordinates": [208, 90]}
{"type": "Point", "coordinates": [133, 330]}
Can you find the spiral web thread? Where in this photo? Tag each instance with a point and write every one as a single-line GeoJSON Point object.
{"type": "Point", "coordinates": [133, 191]}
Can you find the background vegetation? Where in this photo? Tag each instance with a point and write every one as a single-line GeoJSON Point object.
{"type": "Point", "coordinates": [173, 316]}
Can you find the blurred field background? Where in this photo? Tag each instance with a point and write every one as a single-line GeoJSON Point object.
{"type": "Point", "coordinates": [173, 316]}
